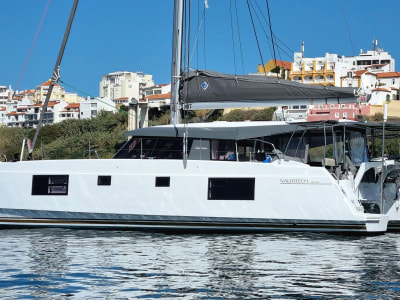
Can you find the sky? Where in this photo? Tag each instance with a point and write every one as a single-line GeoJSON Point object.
{"type": "Point", "coordinates": [136, 35]}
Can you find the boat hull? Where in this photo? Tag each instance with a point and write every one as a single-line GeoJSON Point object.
{"type": "Point", "coordinates": [286, 196]}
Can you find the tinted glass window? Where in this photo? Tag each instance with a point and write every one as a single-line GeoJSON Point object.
{"type": "Point", "coordinates": [231, 188]}
{"type": "Point", "coordinates": [50, 184]}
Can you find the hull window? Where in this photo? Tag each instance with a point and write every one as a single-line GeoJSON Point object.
{"type": "Point", "coordinates": [104, 180]}
{"type": "Point", "coordinates": [162, 181]}
{"type": "Point", "coordinates": [231, 188]}
{"type": "Point", "coordinates": [50, 184]}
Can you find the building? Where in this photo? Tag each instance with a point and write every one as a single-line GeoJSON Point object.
{"type": "Point", "coordinates": [348, 111]}
{"type": "Point", "coordinates": [121, 87]}
{"type": "Point", "coordinates": [155, 97]}
{"type": "Point", "coordinates": [332, 68]}
{"type": "Point", "coordinates": [372, 71]}
{"type": "Point", "coordinates": [91, 107]}
{"type": "Point", "coordinates": [291, 112]}
{"type": "Point", "coordinates": [5, 94]}
{"type": "Point", "coordinates": [41, 90]}
{"type": "Point", "coordinates": [2, 116]}
{"type": "Point", "coordinates": [70, 111]}
{"type": "Point", "coordinates": [269, 68]}
{"type": "Point", "coordinates": [72, 97]}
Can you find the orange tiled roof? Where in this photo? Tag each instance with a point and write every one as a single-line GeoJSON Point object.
{"type": "Point", "coordinates": [51, 103]}
{"type": "Point", "coordinates": [394, 88]}
{"type": "Point", "coordinates": [47, 83]}
{"type": "Point", "coordinates": [380, 90]}
{"type": "Point", "coordinates": [14, 113]}
{"type": "Point", "coordinates": [27, 92]}
{"type": "Point", "coordinates": [359, 72]}
{"type": "Point", "coordinates": [283, 64]}
{"type": "Point", "coordinates": [73, 105]}
{"type": "Point", "coordinates": [159, 96]}
{"type": "Point", "coordinates": [388, 74]}
{"type": "Point", "coordinates": [2, 108]}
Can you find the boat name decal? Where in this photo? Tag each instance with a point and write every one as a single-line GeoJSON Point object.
{"type": "Point", "coordinates": [293, 181]}
{"type": "Point", "coordinates": [300, 181]}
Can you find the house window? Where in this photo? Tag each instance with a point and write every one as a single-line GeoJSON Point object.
{"type": "Point", "coordinates": [231, 188]}
{"type": "Point", "coordinates": [337, 115]}
{"type": "Point", "coordinates": [56, 185]}
{"type": "Point", "coordinates": [345, 115]}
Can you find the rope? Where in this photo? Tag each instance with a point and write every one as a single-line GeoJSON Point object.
{"type": "Point", "coordinates": [33, 44]}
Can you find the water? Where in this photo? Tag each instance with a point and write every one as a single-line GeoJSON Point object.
{"type": "Point", "coordinates": [61, 263]}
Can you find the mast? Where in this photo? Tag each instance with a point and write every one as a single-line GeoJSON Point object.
{"type": "Point", "coordinates": [176, 60]}
{"type": "Point", "coordinates": [56, 75]}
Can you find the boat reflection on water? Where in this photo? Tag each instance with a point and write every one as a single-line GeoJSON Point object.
{"type": "Point", "coordinates": [50, 263]}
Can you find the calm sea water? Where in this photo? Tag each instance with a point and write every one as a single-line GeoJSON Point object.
{"type": "Point", "coordinates": [60, 263]}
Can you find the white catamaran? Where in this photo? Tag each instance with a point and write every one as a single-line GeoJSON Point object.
{"type": "Point", "coordinates": [239, 176]}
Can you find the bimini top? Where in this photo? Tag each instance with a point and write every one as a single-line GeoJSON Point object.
{"type": "Point", "coordinates": [249, 129]}
{"type": "Point", "coordinates": [218, 130]}
{"type": "Point", "coordinates": [207, 89]}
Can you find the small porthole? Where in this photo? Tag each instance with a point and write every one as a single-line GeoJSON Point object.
{"type": "Point", "coordinates": [162, 181]}
{"type": "Point", "coordinates": [104, 180]}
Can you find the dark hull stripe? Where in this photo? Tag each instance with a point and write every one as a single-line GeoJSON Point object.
{"type": "Point", "coordinates": [18, 218]}
{"type": "Point", "coordinates": [160, 225]}
{"type": "Point", "coordinates": [393, 226]}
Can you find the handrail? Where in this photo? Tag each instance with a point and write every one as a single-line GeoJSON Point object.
{"type": "Point", "coordinates": [273, 146]}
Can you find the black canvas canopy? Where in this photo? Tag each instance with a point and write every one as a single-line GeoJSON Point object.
{"type": "Point", "coordinates": [232, 132]}
{"type": "Point", "coordinates": [208, 89]}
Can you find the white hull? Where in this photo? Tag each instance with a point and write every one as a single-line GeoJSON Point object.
{"type": "Point", "coordinates": [288, 196]}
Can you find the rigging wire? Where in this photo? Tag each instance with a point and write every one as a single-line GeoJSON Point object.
{"type": "Point", "coordinates": [262, 27]}
{"type": "Point", "coordinates": [274, 35]}
{"type": "Point", "coordinates": [348, 27]}
{"type": "Point", "coordinates": [204, 38]}
{"type": "Point", "coordinates": [195, 45]}
{"type": "Point", "coordinates": [32, 45]}
{"type": "Point", "coordinates": [240, 41]}
{"type": "Point", "coordinates": [351, 41]}
{"type": "Point", "coordinates": [270, 29]}
{"type": "Point", "coordinates": [255, 33]}
{"type": "Point", "coordinates": [233, 39]}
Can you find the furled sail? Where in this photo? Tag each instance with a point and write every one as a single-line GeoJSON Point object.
{"type": "Point", "coordinates": [208, 90]}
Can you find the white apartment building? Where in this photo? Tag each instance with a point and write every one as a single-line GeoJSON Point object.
{"type": "Point", "coordinates": [124, 86]}
{"type": "Point", "coordinates": [2, 116]}
{"type": "Point", "coordinates": [5, 94]}
{"type": "Point", "coordinates": [91, 107]}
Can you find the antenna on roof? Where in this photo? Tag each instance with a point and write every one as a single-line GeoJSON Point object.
{"type": "Point", "coordinates": [375, 43]}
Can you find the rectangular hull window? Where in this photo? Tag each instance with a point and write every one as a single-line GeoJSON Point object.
{"type": "Point", "coordinates": [231, 188]}
{"type": "Point", "coordinates": [104, 180]}
{"type": "Point", "coordinates": [162, 181]}
{"type": "Point", "coordinates": [50, 184]}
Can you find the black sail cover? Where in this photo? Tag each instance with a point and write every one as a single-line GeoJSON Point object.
{"type": "Point", "coordinates": [208, 89]}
